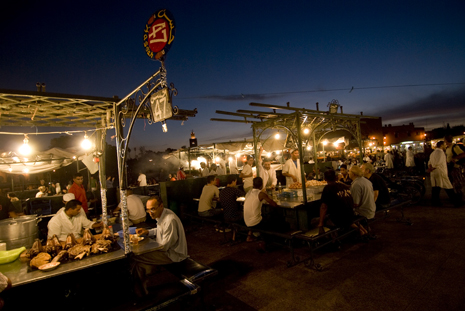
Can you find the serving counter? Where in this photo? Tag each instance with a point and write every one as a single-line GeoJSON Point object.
{"type": "Point", "coordinates": [20, 273]}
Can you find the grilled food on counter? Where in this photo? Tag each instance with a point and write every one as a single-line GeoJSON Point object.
{"type": "Point", "coordinates": [40, 259]}
{"type": "Point", "coordinates": [70, 241]}
{"type": "Point", "coordinates": [87, 238]}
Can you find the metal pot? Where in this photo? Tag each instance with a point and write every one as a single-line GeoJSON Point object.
{"type": "Point", "coordinates": [19, 231]}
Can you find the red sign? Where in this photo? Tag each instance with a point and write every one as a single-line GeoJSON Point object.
{"type": "Point", "coordinates": [159, 34]}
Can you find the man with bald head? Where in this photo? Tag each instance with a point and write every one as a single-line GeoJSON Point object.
{"type": "Point", "coordinates": [362, 193]}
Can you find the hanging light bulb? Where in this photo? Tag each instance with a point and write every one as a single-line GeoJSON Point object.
{"type": "Point", "coordinates": [86, 143]}
{"type": "Point", "coordinates": [277, 136]}
{"type": "Point", "coordinates": [25, 149]}
{"type": "Point", "coordinates": [10, 169]}
{"type": "Point", "coordinates": [306, 130]}
{"type": "Point", "coordinates": [26, 170]}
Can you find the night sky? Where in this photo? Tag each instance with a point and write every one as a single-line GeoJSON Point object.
{"type": "Point", "coordinates": [404, 59]}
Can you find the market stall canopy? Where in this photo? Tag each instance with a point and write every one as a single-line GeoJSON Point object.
{"type": "Point", "coordinates": [23, 108]}
{"type": "Point", "coordinates": [42, 161]}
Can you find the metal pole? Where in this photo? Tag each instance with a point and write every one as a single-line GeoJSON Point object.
{"type": "Point", "coordinates": [255, 143]}
{"type": "Point", "coordinates": [102, 134]}
{"type": "Point", "coordinates": [122, 176]}
{"type": "Point", "coordinates": [301, 157]}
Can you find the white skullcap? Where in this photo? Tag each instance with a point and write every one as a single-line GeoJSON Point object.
{"type": "Point", "coordinates": [68, 197]}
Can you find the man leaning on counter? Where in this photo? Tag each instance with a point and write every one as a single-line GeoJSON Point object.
{"type": "Point", "coordinates": [70, 219]}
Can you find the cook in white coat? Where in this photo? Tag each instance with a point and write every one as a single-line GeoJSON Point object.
{"type": "Point", "coordinates": [291, 169]}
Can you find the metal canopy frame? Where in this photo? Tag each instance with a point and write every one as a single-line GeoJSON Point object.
{"type": "Point", "coordinates": [134, 106]}
{"type": "Point", "coordinates": [43, 109]}
{"type": "Point", "coordinates": [319, 123]}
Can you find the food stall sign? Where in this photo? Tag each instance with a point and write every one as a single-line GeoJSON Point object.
{"type": "Point", "coordinates": [161, 105]}
{"type": "Point", "coordinates": [159, 34]}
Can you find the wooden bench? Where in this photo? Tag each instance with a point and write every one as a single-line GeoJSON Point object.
{"type": "Point", "coordinates": [288, 236]}
{"type": "Point", "coordinates": [395, 206]}
{"type": "Point", "coordinates": [165, 295]}
{"type": "Point", "coordinates": [220, 223]}
{"type": "Point", "coordinates": [315, 241]}
{"type": "Point", "coordinates": [191, 270]}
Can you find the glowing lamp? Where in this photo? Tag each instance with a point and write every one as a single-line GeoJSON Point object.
{"type": "Point", "coordinates": [86, 144]}
{"type": "Point", "coordinates": [25, 149]}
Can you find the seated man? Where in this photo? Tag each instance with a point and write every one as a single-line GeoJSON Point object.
{"type": "Point", "coordinates": [343, 177]}
{"type": "Point", "coordinates": [380, 189]}
{"type": "Point", "coordinates": [228, 199]}
{"type": "Point", "coordinates": [169, 234]}
{"type": "Point", "coordinates": [69, 219]}
{"type": "Point", "coordinates": [42, 192]}
{"type": "Point", "coordinates": [136, 210]}
{"type": "Point", "coordinates": [7, 208]}
{"type": "Point", "coordinates": [210, 194]}
{"type": "Point", "coordinates": [362, 193]}
{"type": "Point", "coordinates": [253, 208]}
{"type": "Point", "coordinates": [336, 204]}
{"type": "Point", "coordinates": [16, 202]}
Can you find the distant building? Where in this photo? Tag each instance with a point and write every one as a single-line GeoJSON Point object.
{"type": "Point", "coordinates": [403, 136]}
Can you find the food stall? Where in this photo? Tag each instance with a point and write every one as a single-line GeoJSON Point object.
{"type": "Point", "coordinates": [304, 130]}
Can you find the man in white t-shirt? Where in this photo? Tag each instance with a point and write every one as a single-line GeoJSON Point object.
{"type": "Point", "coordinates": [142, 180]}
{"type": "Point", "coordinates": [210, 195]}
{"type": "Point", "coordinates": [247, 175]}
{"type": "Point", "coordinates": [136, 209]}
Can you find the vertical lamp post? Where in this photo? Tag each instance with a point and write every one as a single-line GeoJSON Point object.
{"type": "Point", "coordinates": [325, 142]}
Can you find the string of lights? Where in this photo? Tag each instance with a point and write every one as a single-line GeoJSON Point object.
{"type": "Point", "coordinates": [350, 90]}
{"type": "Point", "coordinates": [58, 132]}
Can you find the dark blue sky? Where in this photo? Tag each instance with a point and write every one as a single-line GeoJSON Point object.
{"type": "Point", "coordinates": [271, 52]}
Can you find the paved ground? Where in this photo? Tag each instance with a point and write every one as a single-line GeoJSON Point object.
{"type": "Point", "coordinates": [409, 267]}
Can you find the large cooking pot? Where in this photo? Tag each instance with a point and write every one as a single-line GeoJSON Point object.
{"type": "Point", "coordinates": [19, 231]}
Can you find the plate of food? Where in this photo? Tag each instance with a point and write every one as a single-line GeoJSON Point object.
{"type": "Point", "coordinates": [49, 266]}
{"type": "Point", "coordinates": [135, 239]}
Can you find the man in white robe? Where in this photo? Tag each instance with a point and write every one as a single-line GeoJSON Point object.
{"type": "Point", "coordinates": [291, 169]}
{"type": "Point", "coordinates": [437, 166]}
{"type": "Point", "coordinates": [266, 172]}
{"type": "Point", "coordinates": [389, 159]}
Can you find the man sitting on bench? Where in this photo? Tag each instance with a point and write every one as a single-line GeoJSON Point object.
{"type": "Point", "coordinates": [169, 234]}
{"type": "Point", "coordinates": [210, 195]}
{"type": "Point", "coordinates": [337, 204]}
{"type": "Point", "coordinates": [253, 208]}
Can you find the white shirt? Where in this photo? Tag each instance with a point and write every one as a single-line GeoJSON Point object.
{"type": "Point", "coordinates": [248, 181]}
{"type": "Point", "coordinates": [62, 225]}
{"type": "Point", "coordinates": [206, 198]}
{"type": "Point", "coordinates": [268, 176]}
{"type": "Point", "coordinates": [410, 161]}
{"type": "Point", "coordinates": [220, 170]}
{"type": "Point", "coordinates": [205, 172]}
{"type": "Point", "coordinates": [438, 176]}
{"type": "Point", "coordinates": [142, 180]}
{"type": "Point", "coordinates": [290, 168]}
{"type": "Point", "coordinates": [170, 234]}
{"type": "Point", "coordinates": [136, 209]}
{"type": "Point", "coordinates": [252, 208]}
{"type": "Point", "coordinates": [388, 158]}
